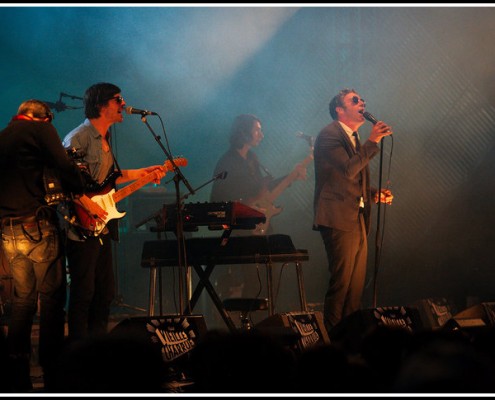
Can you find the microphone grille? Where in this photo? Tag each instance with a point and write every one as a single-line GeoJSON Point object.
{"type": "Point", "coordinates": [370, 117]}
{"type": "Point", "coordinates": [128, 110]}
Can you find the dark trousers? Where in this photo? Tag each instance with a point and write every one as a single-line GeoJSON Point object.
{"type": "Point", "coordinates": [347, 254]}
{"type": "Point", "coordinates": [92, 286]}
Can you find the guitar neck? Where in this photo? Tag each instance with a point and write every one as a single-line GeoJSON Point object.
{"type": "Point", "coordinates": [131, 188]}
{"type": "Point", "coordinates": [286, 182]}
{"type": "Point", "coordinates": [279, 189]}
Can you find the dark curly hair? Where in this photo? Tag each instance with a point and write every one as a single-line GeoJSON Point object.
{"type": "Point", "coordinates": [337, 101]}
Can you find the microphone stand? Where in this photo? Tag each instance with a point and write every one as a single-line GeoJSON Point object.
{"type": "Point", "coordinates": [221, 175]}
{"type": "Point", "coordinates": [160, 217]}
{"type": "Point", "coordinates": [60, 106]}
{"type": "Point", "coordinates": [182, 262]}
{"type": "Point", "coordinates": [377, 236]}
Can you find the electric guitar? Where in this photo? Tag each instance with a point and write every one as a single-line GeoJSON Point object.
{"type": "Point", "coordinates": [108, 197]}
{"type": "Point", "coordinates": [264, 202]}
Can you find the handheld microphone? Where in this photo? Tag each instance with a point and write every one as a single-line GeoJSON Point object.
{"type": "Point", "coordinates": [370, 117]}
{"type": "Point", "coordinates": [132, 110]}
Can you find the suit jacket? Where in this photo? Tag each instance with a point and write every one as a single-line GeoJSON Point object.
{"type": "Point", "coordinates": [341, 176]}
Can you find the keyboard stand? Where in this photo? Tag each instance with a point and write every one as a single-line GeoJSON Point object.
{"type": "Point", "coordinates": [203, 255]}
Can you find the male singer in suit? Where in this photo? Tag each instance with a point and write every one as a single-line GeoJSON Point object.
{"type": "Point", "coordinates": [342, 201]}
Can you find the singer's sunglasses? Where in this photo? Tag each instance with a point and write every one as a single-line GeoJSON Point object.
{"type": "Point", "coordinates": [118, 99]}
{"type": "Point", "coordinates": [355, 100]}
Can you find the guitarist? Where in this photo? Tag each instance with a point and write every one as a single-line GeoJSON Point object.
{"type": "Point", "coordinates": [31, 242]}
{"type": "Point", "coordinates": [247, 180]}
{"type": "Point", "coordinates": [92, 286]}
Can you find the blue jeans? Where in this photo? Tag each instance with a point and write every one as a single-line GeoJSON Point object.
{"type": "Point", "coordinates": [38, 270]}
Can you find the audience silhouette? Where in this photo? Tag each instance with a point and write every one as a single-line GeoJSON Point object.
{"type": "Point", "coordinates": [445, 362]}
{"type": "Point", "coordinates": [110, 363]}
{"type": "Point", "coordinates": [386, 360]}
{"type": "Point", "coordinates": [242, 362]}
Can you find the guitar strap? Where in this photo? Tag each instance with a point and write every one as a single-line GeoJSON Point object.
{"type": "Point", "coordinates": [113, 225]}
{"type": "Point", "coordinates": [265, 170]}
{"type": "Point", "coordinates": [114, 160]}
{"type": "Point", "coordinates": [272, 182]}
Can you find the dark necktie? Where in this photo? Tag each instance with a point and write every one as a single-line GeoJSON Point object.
{"type": "Point", "coordinates": [363, 175]}
{"type": "Point", "coordinates": [356, 138]}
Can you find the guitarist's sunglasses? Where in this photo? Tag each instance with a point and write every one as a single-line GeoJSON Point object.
{"type": "Point", "coordinates": [118, 99]}
{"type": "Point", "coordinates": [356, 99]}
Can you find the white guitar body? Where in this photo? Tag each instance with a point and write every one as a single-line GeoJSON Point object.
{"type": "Point", "coordinates": [267, 208]}
{"type": "Point", "coordinates": [106, 201]}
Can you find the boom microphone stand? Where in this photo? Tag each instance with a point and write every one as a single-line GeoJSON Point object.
{"type": "Point", "coordinates": [178, 177]}
{"type": "Point", "coordinates": [60, 106]}
{"type": "Point", "coordinates": [119, 297]}
{"type": "Point", "coordinates": [160, 218]}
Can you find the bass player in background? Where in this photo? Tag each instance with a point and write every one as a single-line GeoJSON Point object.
{"type": "Point", "coordinates": [89, 254]}
{"type": "Point", "coordinates": [249, 182]}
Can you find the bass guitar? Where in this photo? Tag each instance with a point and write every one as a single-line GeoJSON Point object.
{"type": "Point", "coordinates": [108, 197]}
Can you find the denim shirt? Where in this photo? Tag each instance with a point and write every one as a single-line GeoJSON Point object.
{"type": "Point", "coordinates": [85, 138]}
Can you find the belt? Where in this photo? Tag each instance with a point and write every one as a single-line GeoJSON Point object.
{"type": "Point", "coordinates": [19, 221]}
{"type": "Point", "coordinates": [361, 210]}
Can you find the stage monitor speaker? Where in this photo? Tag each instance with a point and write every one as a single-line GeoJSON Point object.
{"type": "Point", "coordinates": [434, 312]}
{"type": "Point", "coordinates": [351, 330]}
{"type": "Point", "coordinates": [483, 311]}
{"type": "Point", "coordinates": [476, 317]}
{"type": "Point", "coordinates": [174, 336]}
{"type": "Point", "coordinates": [297, 330]}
